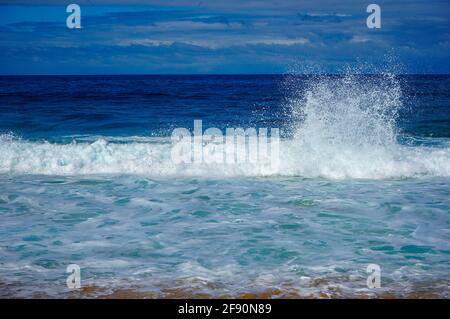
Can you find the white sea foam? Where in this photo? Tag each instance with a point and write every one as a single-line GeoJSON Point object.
{"type": "Point", "coordinates": [344, 128]}
{"type": "Point", "coordinates": [298, 158]}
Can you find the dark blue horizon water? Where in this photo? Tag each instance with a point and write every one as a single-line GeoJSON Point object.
{"type": "Point", "coordinates": [50, 107]}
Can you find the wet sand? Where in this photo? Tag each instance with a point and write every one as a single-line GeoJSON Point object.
{"type": "Point", "coordinates": [320, 288]}
{"type": "Point", "coordinates": [95, 292]}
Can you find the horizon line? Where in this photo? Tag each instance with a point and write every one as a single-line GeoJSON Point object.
{"type": "Point", "coordinates": [213, 74]}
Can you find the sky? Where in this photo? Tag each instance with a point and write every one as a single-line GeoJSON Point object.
{"type": "Point", "coordinates": [223, 37]}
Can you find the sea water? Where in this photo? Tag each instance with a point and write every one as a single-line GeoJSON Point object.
{"type": "Point", "coordinates": [86, 178]}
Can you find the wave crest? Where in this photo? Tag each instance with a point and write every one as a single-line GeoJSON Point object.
{"type": "Point", "coordinates": [344, 127]}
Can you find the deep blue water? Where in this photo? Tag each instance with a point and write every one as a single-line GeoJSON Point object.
{"type": "Point", "coordinates": [55, 106]}
{"type": "Point", "coordinates": [36, 107]}
{"type": "Point", "coordinates": [86, 178]}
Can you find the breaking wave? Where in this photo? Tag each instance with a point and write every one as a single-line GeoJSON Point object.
{"type": "Point", "coordinates": [344, 127]}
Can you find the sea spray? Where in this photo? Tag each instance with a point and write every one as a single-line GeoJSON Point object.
{"type": "Point", "coordinates": [343, 124]}
{"type": "Point", "coordinates": [350, 110]}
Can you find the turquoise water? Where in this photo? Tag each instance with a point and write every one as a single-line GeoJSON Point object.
{"type": "Point", "coordinates": [150, 234]}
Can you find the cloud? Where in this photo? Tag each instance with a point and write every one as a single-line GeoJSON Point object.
{"type": "Point", "coordinates": [322, 17]}
{"type": "Point", "coordinates": [282, 42]}
{"type": "Point", "coordinates": [214, 44]}
{"type": "Point", "coordinates": [360, 39]}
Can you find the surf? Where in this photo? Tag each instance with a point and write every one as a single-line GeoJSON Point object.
{"type": "Point", "coordinates": [343, 127]}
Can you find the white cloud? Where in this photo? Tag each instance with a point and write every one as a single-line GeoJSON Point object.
{"type": "Point", "coordinates": [194, 25]}
{"type": "Point", "coordinates": [144, 42]}
{"type": "Point", "coordinates": [359, 39]}
{"type": "Point", "coordinates": [216, 43]}
{"type": "Point", "coordinates": [283, 42]}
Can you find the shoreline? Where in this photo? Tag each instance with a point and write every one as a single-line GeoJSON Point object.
{"type": "Point", "coordinates": [12, 291]}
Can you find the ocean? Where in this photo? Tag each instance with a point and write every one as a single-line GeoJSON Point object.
{"type": "Point", "coordinates": [86, 178]}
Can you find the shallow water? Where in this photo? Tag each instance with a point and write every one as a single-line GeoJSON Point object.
{"type": "Point", "coordinates": [183, 232]}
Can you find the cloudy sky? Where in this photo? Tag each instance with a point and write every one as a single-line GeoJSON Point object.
{"type": "Point", "coordinates": [228, 36]}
